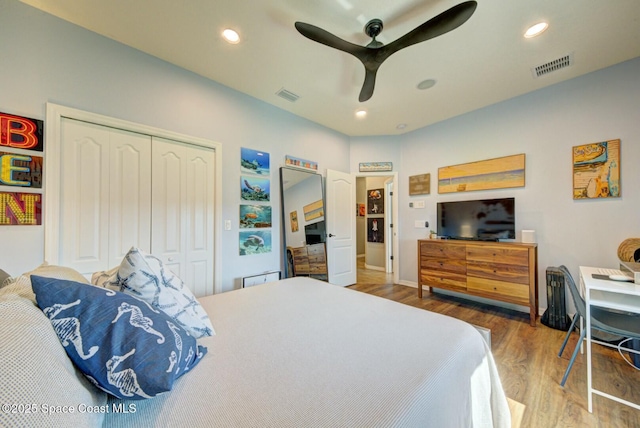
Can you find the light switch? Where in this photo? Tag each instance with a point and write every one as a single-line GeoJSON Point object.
{"type": "Point", "coordinates": [418, 204]}
{"type": "Point", "coordinates": [419, 224]}
{"type": "Point", "coordinates": [227, 225]}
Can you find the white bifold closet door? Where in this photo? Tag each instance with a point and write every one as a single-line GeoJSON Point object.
{"type": "Point", "coordinates": [183, 211]}
{"type": "Point", "coordinates": [121, 189]}
{"type": "Point", "coordinates": [105, 195]}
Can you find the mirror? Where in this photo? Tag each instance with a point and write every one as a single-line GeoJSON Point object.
{"type": "Point", "coordinates": [303, 224]}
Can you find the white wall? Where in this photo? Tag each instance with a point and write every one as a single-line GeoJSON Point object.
{"type": "Point", "coordinates": [47, 59]}
{"type": "Point", "coordinates": [544, 125]}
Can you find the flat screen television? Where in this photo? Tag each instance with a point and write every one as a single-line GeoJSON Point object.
{"type": "Point", "coordinates": [482, 220]}
{"type": "Point", "coordinates": [314, 233]}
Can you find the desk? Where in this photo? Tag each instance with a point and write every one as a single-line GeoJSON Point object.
{"type": "Point", "coordinates": [624, 296]}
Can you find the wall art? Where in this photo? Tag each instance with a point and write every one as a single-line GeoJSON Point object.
{"type": "Point", "coordinates": [498, 173]}
{"type": "Point", "coordinates": [255, 188]}
{"type": "Point", "coordinates": [420, 184]}
{"type": "Point", "coordinates": [313, 210]}
{"type": "Point", "coordinates": [254, 162]}
{"type": "Point", "coordinates": [20, 209]}
{"type": "Point", "coordinates": [596, 170]}
{"type": "Point", "coordinates": [375, 166]}
{"type": "Point", "coordinates": [375, 201]}
{"type": "Point", "coordinates": [293, 216]}
{"type": "Point", "coordinates": [255, 216]}
{"type": "Point", "coordinates": [300, 163]}
{"type": "Point", "coordinates": [20, 170]}
{"type": "Point", "coordinates": [254, 242]}
{"type": "Point", "coordinates": [21, 132]}
{"type": "Point", "coordinates": [375, 230]}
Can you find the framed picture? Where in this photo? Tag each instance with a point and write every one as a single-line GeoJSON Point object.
{"type": "Point", "coordinates": [254, 242]}
{"type": "Point", "coordinates": [300, 163]}
{"type": "Point", "coordinates": [498, 173]}
{"type": "Point", "coordinates": [375, 166]}
{"type": "Point", "coordinates": [254, 162]}
{"type": "Point", "coordinates": [596, 170]}
{"type": "Point", "coordinates": [375, 230]}
{"type": "Point", "coordinates": [361, 210]}
{"type": "Point", "coordinates": [313, 210]}
{"type": "Point", "coordinates": [375, 201]}
{"type": "Point", "coordinates": [255, 188]}
{"type": "Point", "coordinates": [293, 215]}
{"type": "Point", "coordinates": [255, 216]}
{"type": "Point", "coordinates": [420, 184]}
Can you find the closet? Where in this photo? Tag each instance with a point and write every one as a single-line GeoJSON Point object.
{"type": "Point", "coordinates": [119, 189]}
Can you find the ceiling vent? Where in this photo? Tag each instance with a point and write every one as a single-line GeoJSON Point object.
{"type": "Point", "coordinates": [552, 66]}
{"type": "Point", "coordinates": [287, 95]}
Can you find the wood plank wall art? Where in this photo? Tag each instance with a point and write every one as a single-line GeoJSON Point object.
{"type": "Point", "coordinates": [596, 170]}
{"type": "Point", "coordinates": [498, 173]}
{"type": "Point", "coordinates": [420, 184]}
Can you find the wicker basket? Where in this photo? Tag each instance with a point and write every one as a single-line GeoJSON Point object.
{"type": "Point", "coordinates": [629, 250]}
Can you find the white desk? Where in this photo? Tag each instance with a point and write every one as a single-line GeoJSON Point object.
{"type": "Point", "coordinates": [623, 296]}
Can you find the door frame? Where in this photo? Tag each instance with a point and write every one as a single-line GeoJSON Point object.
{"type": "Point", "coordinates": [394, 215]}
{"type": "Point", "coordinates": [51, 186]}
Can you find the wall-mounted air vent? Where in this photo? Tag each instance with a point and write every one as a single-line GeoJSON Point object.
{"type": "Point", "coordinates": [287, 95]}
{"type": "Point", "coordinates": [552, 66]}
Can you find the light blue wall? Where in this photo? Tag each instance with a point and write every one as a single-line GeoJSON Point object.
{"type": "Point", "coordinates": [544, 125]}
{"type": "Point", "coordinates": [45, 59]}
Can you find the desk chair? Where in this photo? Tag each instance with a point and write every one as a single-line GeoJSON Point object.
{"type": "Point", "coordinates": [608, 321]}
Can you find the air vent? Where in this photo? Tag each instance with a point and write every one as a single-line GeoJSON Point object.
{"type": "Point", "coordinates": [552, 66]}
{"type": "Point", "coordinates": [287, 95]}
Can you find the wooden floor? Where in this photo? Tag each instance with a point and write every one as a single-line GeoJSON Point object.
{"type": "Point", "coordinates": [527, 360]}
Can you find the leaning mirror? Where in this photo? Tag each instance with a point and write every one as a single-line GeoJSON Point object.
{"type": "Point", "coordinates": [303, 224]}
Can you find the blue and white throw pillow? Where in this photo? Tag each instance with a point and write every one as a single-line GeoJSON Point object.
{"type": "Point", "coordinates": [121, 344]}
{"type": "Point", "coordinates": [145, 276]}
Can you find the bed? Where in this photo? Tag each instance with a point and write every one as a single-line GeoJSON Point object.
{"type": "Point", "coordinates": [293, 353]}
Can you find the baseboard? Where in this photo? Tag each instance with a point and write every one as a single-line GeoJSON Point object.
{"type": "Point", "coordinates": [371, 267]}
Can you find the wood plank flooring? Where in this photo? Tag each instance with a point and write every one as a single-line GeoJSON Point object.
{"type": "Point", "coordinates": [527, 360]}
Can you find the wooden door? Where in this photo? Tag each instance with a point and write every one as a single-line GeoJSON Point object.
{"type": "Point", "coordinates": [341, 228]}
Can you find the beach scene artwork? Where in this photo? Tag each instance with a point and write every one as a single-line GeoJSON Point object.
{"type": "Point", "coordinates": [596, 170]}
{"type": "Point", "coordinates": [253, 188]}
{"type": "Point", "coordinates": [255, 216]}
{"type": "Point", "coordinates": [254, 162]}
{"type": "Point", "coordinates": [255, 242]}
{"type": "Point", "coordinates": [498, 173]}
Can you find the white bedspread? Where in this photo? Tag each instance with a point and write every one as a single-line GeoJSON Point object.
{"type": "Point", "coordinates": [304, 353]}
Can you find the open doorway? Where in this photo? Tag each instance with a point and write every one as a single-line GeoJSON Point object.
{"type": "Point", "coordinates": [376, 223]}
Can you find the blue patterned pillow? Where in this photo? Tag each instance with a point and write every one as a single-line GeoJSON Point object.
{"type": "Point", "coordinates": [145, 276]}
{"type": "Point", "coordinates": [120, 343]}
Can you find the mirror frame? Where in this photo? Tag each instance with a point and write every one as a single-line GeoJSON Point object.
{"type": "Point", "coordinates": [283, 222]}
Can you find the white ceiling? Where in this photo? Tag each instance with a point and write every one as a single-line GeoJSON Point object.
{"type": "Point", "coordinates": [484, 61]}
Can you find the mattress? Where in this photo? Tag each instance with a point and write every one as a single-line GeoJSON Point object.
{"type": "Point", "coordinates": [304, 353]}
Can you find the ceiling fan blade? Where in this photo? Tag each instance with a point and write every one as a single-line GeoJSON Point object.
{"type": "Point", "coordinates": [324, 37]}
{"type": "Point", "coordinates": [436, 26]}
{"type": "Point", "coordinates": [369, 84]}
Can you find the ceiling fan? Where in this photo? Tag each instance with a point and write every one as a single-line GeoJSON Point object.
{"type": "Point", "coordinates": [375, 53]}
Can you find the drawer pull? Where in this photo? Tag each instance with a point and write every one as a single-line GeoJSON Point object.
{"type": "Point", "coordinates": [495, 288]}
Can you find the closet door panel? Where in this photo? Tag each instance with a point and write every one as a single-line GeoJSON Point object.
{"type": "Point", "coordinates": [84, 210]}
{"type": "Point", "coordinates": [130, 194]}
{"type": "Point", "coordinates": [200, 205]}
{"type": "Point", "coordinates": [168, 202]}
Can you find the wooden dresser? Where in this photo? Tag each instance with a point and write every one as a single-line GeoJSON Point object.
{"type": "Point", "coordinates": [310, 260]}
{"type": "Point", "coordinates": [504, 271]}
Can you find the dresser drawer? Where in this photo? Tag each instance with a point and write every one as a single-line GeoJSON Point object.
{"type": "Point", "coordinates": [315, 249]}
{"type": "Point", "coordinates": [498, 254]}
{"type": "Point", "coordinates": [499, 271]}
{"type": "Point", "coordinates": [446, 265]}
{"type": "Point", "coordinates": [451, 281]}
{"type": "Point", "coordinates": [500, 290]}
{"type": "Point", "coordinates": [442, 250]}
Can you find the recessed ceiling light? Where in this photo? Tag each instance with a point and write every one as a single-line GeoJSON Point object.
{"type": "Point", "coordinates": [536, 30]}
{"type": "Point", "coordinates": [426, 84]}
{"type": "Point", "coordinates": [231, 36]}
{"type": "Point", "coordinates": [361, 114]}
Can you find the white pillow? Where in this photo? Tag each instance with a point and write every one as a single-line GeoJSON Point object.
{"type": "Point", "coordinates": [145, 276]}
{"type": "Point", "coordinates": [22, 284]}
{"type": "Point", "coordinates": [37, 375]}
